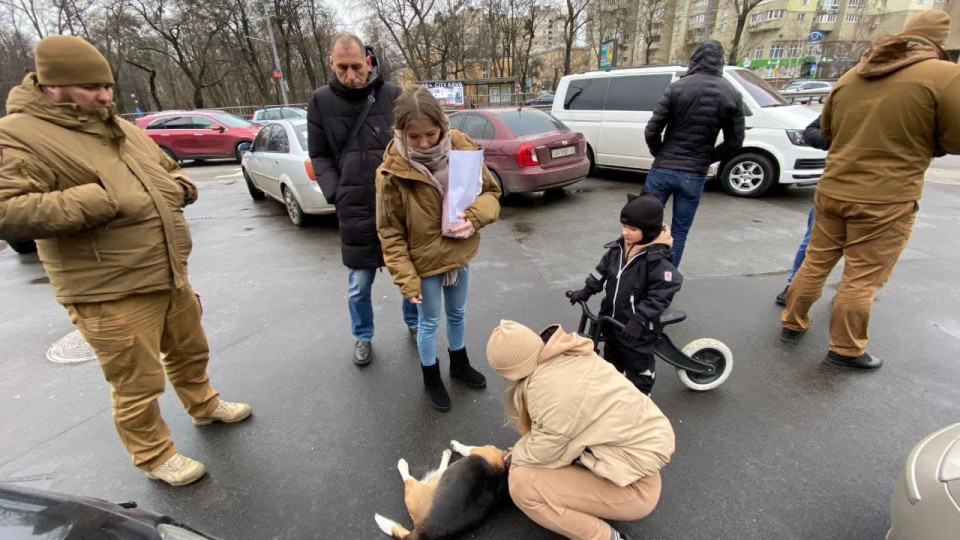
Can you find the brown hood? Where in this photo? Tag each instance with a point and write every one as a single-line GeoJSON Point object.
{"type": "Point", "coordinates": [29, 99]}
{"type": "Point", "coordinates": [888, 54]}
{"type": "Point", "coordinates": [565, 343]}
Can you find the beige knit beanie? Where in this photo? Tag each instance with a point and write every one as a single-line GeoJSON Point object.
{"type": "Point", "coordinates": [512, 350]}
{"type": "Point", "coordinates": [931, 25]}
{"type": "Point", "coordinates": [69, 60]}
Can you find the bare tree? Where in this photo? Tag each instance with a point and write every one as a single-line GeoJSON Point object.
{"type": "Point", "coordinates": [742, 9]}
{"type": "Point", "coordinates": [186, 38]}
{"type": "Point", "coordinates": [574, 19]}
{"type": "Point", "coordinates": [407, 23]}
{"type": "Point", "coordinates": [653, 18]}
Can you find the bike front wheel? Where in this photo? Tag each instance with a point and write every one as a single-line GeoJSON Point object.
{"type": "Point", "coordinates": [708, 351]}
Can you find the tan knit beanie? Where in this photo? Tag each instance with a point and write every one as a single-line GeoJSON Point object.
{"type": "Point", "coordinates": [512, 350]}
{"type": "Point", "coordinates": [931, 25]}
{"type": "Point", "coordinates": [69, 60]}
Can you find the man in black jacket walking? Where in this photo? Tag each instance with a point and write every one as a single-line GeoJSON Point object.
{"type": "Point", "coordinates": [693, 110]}
{"type": "Point", "coordinates": [349, 123]}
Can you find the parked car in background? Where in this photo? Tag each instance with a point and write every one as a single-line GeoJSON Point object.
{"type": "Point", "coordinates": [278, 165]}
{"type": "Point", "coordinates": [525, 149]}
{"type": "Point", "coordinates": [806, 90]}
{"type": "Point", "coordinates": [612, 107]}
{"type": "Point", "coordinates": [277, 113]}
{"type": "Point", "coordinates": [27, 513]}
{"type": "Point", "coordinates": [542, 99]}
{"type": "Point", "coordinates": [200, 134]}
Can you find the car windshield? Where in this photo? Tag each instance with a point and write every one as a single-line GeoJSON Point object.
{"type": "Point", "coordinates": [759, 90]}
{"type": "Point", "coordinates": [230, 120]}
{"type": "Point", "coordinates": [529, 121]}
{"type": "Point", "coordinates": [301, 134]}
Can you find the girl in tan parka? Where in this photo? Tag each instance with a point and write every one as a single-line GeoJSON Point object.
{"type": "Point", "coordinates": [591, 446]}
{"type": "Point", "coordinates": [428, 258]}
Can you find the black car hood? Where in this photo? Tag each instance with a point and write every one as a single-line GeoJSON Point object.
{"type": "Point", "coordinates": [30, 513]}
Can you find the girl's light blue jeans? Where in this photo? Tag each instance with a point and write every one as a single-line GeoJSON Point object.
{"type": "Point", "coordinates": [454, 299]}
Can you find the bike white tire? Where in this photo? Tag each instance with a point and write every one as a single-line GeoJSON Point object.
{"type": "Point", "coordinates": [725, 366]}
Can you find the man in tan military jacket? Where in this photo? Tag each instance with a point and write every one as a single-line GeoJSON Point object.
{"type": "Point", "coordinates": [884, 121]}
{"type": "Point", "coordinates": [105, 205]}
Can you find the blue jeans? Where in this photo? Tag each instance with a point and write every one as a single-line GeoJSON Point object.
{"type": "Point", "coordinates": [686, 188]}
{"type": "Point", "coordinates": [802, 249]}
{"type": "Point", "coordinates": [361, 308]}
{"type": "Point", "coordinates": [455, 305]}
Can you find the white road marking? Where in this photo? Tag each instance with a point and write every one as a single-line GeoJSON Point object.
{"type": "Point", "coordinates": [233, 175]}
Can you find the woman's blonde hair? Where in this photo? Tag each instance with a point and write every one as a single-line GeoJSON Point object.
{"type": "Point", "coordinates": [417, 103]}
{"type": "Point", "coordinates": [515, 405]}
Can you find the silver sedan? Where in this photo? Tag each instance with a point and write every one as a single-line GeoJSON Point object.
{"type": "Point", "coordinates": [278, 166]}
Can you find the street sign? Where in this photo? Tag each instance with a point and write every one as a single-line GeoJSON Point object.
{"type": "Point", "coordinates": [276, 74]}
{"type": "Point", "coordinates": [746, 62]}
{"type": "Point", "coordinates": [815, 37]}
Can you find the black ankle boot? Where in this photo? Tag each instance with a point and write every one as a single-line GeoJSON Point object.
{"type": "Point", "coordinates": [461, 369]}
{"type": "Point", "coordinates": [434, 386]}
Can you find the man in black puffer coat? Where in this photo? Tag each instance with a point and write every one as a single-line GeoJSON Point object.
{"type": "Point", "coordinates": [346, 169]}
{"type": "Point", "coordinates": [693, 110]}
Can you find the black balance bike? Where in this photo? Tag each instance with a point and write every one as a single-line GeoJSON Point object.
{"type": "Point", "coordinates": [703, 364]}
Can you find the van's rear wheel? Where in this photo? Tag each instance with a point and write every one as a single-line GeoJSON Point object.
{"type": "Point", "coordinates": [593, 161]}
{"type": "Point", "coordinates": [747, 175]}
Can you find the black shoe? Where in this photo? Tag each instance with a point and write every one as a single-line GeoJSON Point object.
{"type": "Point", "coordinates": [361, 353]}
{"type": "Point", "coordinates": [434, 387]}
{"type": "Point", "coordinates": [412, 329]}
{"type": "Point", "coordinates": [782, 297]}
{"type": "Point", "coordinates": [864, 362]}
{"type": "Point", "coordinates": [789, 335]}
{"type": "Point", "coordinates": [461, 370]}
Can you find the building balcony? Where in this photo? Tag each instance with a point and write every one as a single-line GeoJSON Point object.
{"type": "Point", "coordinates": [825, 26]}
{"type": "Point", "coordinates": [765, 26]}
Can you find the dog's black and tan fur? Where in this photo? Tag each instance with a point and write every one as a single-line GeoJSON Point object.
{"type": "Point", "coordinates": [454, 498]}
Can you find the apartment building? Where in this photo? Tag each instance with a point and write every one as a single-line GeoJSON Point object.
{"type": "Point", "coordinates": [782, 38]}
{"type": "Point", "coordinates": [548, 29]}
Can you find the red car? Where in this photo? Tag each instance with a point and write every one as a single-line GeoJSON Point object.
{"type": "Point", "coordinates": [525, 149]}
{"type": "Point", "coordinates": [200, 134]}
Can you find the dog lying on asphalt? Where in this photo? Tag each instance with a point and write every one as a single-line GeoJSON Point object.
{"type": "Point", "coordinates": [453, 498]}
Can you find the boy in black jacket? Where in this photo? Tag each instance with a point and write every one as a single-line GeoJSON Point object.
{"type": "Point", "coordinates": [640, 282]}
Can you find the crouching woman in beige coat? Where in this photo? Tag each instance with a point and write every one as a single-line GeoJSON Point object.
{"type": "Point", "coordinates": [592, 445]}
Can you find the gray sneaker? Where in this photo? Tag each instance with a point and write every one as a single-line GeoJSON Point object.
{"type": "Point", "coordinates": [361, 353]}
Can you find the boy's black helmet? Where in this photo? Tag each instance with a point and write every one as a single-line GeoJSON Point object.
{"type": "Point", "coordinates": [644, 212]}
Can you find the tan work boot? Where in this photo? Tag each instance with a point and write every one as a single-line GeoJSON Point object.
{"type": "Point", "coordinates": [227, 413]}
{"type": "Point", "coordinates": [179, 470]}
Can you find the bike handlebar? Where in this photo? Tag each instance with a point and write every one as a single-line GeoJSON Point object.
{"type": "Point", "coordinates": [596, 318]}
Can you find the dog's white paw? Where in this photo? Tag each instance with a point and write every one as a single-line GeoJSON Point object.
{"type": "Point", "coordinates": [447, 454]}
{"type": "Point", "coordinates": [461, 449]}
{"type": "Point", "coordinates": [404, 469]}
{"type": "Point", "coordinates": [386, 525]}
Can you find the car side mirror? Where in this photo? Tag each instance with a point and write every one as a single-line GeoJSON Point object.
{"type": "Point", "coordinates": [221, 129]}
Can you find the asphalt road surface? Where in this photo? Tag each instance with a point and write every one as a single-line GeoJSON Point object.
{"type": "Point", "coordinates": [788, 448]}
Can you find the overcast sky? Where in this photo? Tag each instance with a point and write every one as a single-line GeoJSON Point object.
{"type": "Point", "coordinates": [348, 14]}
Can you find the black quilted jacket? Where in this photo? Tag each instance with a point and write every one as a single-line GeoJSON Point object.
{"type": "Point", "coordinates": [693, 110]}
{"type": "Point", "coordinates": [347, 175]}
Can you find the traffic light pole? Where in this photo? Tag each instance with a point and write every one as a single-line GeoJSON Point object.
{"type": "Point", "coordinates": [276, 57]}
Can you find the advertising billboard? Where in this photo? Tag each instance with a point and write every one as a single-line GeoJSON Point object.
{"type": "Point", "coordinates": [446, 92]}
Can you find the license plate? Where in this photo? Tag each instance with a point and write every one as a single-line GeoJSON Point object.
{"type": "Point", "coordinates": [563, 152]}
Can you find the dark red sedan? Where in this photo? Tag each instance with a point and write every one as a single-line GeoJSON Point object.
{"type": "Point", "coordinates": [525, 149]}
{"type": "Point", "coordinates": [200, 134]}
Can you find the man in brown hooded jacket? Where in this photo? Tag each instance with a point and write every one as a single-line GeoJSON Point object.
{"type": "Point", "coordinates": [883, 121]}
{"type": "Point", "coordinates": [106, 207]}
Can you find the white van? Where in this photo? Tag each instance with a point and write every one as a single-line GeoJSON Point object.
{"type": "Point", "coordinates": [612, 107]}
